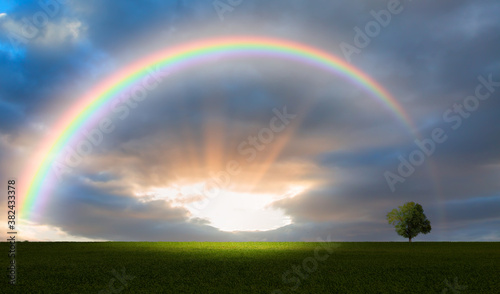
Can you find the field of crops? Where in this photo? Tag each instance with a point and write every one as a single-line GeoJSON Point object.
{"type": "Point", "coordinates": [117, 267]}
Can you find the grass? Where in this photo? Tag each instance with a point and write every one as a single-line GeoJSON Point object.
{"type": "Point", "coordinates": [195, 267]}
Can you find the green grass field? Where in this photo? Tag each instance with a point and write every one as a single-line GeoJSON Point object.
{"type": "Point", "coordinates": [254, 267]}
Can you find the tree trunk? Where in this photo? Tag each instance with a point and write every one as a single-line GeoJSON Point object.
{"type": "Point", "coordinates": [410, 239]}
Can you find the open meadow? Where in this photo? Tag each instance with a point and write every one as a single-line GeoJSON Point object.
{"type": "Point", "coordinates": [256, 267]}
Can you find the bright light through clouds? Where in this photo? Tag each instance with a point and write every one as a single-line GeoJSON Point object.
{"type": "Point", "coordinates": [232, 211]}
{"type": "Point", "coordinates": [228, 210]}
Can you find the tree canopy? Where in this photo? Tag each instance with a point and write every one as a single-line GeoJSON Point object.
{"type": "Point", "coordinates": [409, 220]}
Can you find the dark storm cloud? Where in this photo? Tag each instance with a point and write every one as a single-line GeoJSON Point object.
{"type": "Point", "coordinates": [80, 209]}
{"type": "Point", "coordinates": [12, 116]}
{"type": "Point", "coordinates": [474, 209]}
{"type": "Point", "coordinates": [374, 231]}
{"type": "Point", "coordinates": [438, 58]}
{"type": "Point", "coordinates": [429, 57]}
{"type": "Point", "coordinates": [112, 24]}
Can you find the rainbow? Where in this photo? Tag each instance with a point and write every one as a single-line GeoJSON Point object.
{"type": "Point", "coordinates": [37, 174]}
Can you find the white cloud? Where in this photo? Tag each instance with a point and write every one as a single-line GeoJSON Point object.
{"type": "Point", "coordinates": [66, 30]}
{"type": "Point", "coordinates": [52, 34]}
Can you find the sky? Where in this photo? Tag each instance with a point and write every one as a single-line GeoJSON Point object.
{"type": "Point", "coordinates": [337, 161]}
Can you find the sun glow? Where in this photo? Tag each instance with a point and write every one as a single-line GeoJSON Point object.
{"type": "Point", "coordinates": [236, 211]}
{"type": "Point", "coordinates": [227, 210]}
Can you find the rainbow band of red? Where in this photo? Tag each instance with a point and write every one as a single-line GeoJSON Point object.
{"type": "Point", "coordinates": [177, 58]}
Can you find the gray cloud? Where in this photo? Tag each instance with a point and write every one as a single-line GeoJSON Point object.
{"type": "Point", "coordinates": [429, 57]}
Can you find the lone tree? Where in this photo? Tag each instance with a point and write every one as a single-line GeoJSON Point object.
{"type": "Point", "coordinates": [409, 220]}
